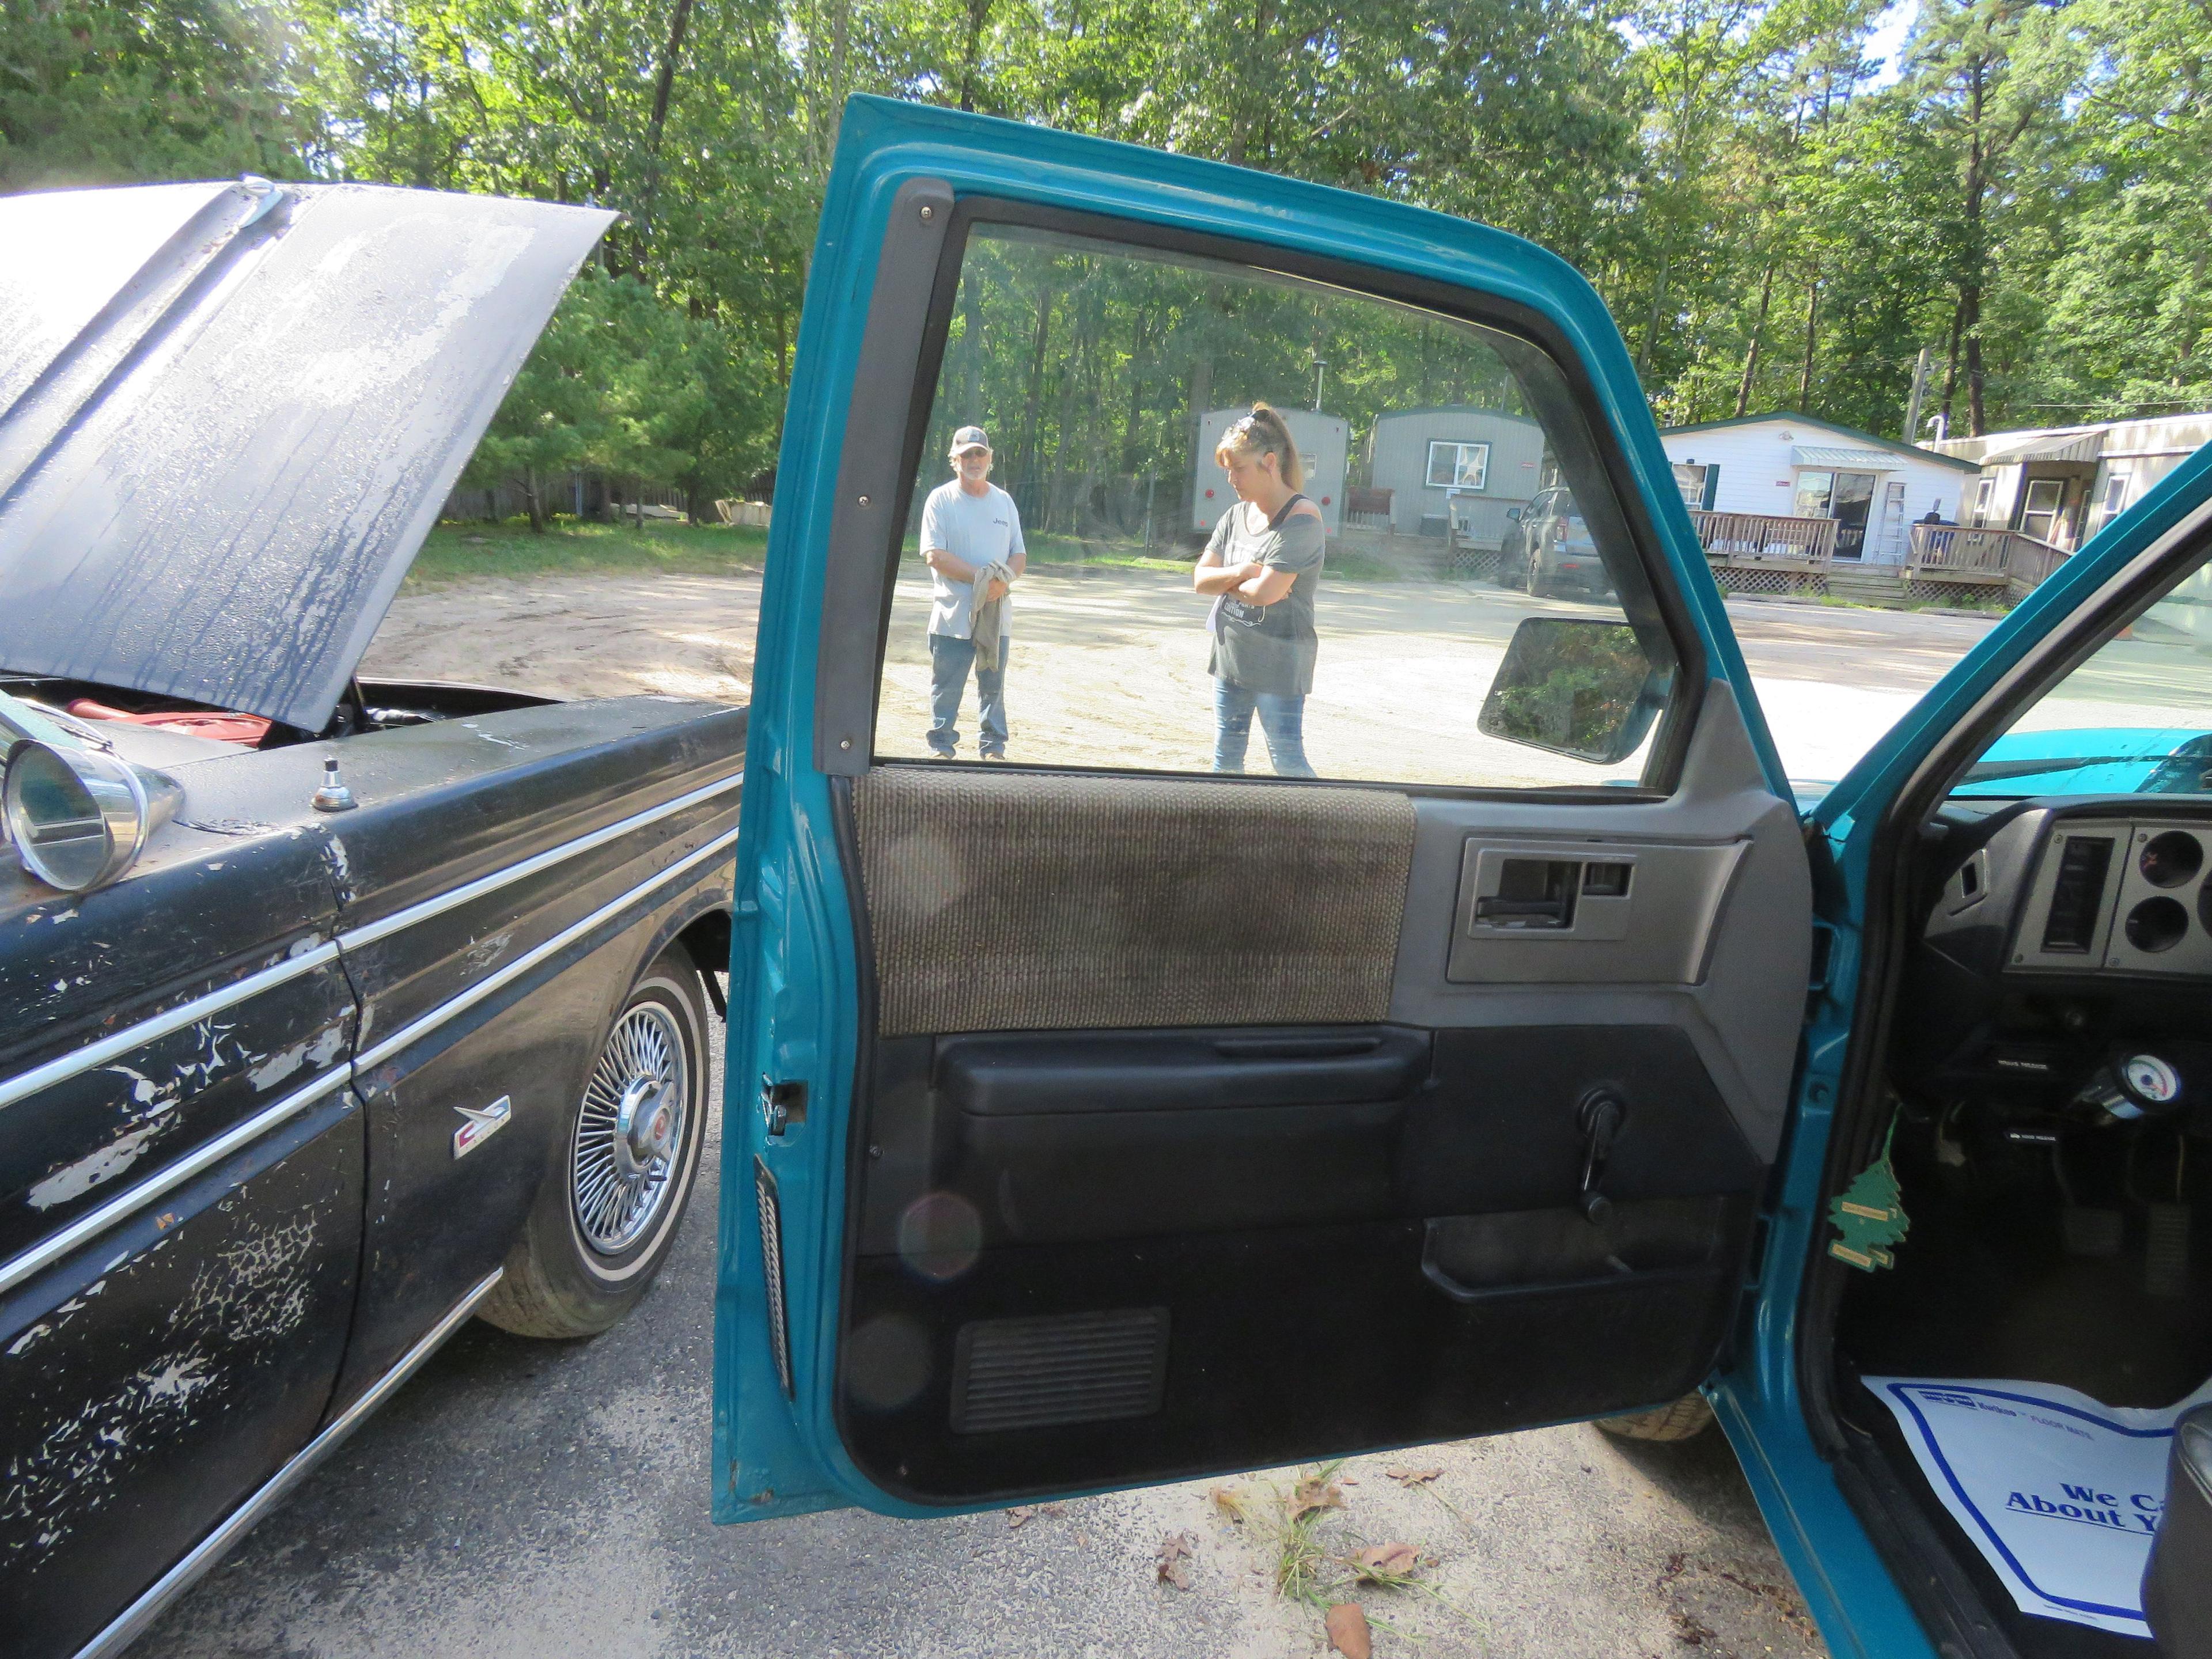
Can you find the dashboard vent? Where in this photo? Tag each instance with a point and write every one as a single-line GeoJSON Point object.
{"type": "Point", "coordinates": [2077, 897]}
{"type": "Point", "coordinates": [1068, 1368]}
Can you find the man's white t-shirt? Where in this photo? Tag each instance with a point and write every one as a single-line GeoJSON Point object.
{"type": "Point", "coordinates": [985, 529]}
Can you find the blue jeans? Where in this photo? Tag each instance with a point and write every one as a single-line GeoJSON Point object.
{"type": "Point", "coordinates": [949, 659]}
{"type": "Point", "coordinates": [1282, 719]}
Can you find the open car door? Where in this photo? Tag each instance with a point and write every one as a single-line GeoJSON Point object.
{"type": "Point", "coordinates": [1170, 1097]}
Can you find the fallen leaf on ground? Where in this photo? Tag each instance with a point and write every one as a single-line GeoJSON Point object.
{"type": "Point", "coordinates": [1692, 1634]}
{"type": "Point", "coordinates": [1379, 1561]}
{"type": "Point", "coordinates": [1020, 1513]}
{"type": "Point", "coordinates": [1226, 1500]}
{"type": "Point", "coordinates": [1347, 1630]}
{"type": "Point", "coordinates": [1313, 1493]}
{"type": "Point", "coordinates": [1053, 1508]}
{"type": "Point", "coordinates": [1408, 1477]}
{"type": "Point", "coordinates": [1175, 1558]}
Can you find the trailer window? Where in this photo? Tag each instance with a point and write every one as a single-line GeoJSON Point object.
{"type": "Point", "coordinates": [1458, 467]}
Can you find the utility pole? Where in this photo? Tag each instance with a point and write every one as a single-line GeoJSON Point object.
{"type": "Point", "coordinates": [1319, 365]}
{"type": "Point", "coordinates": [1919, 393]}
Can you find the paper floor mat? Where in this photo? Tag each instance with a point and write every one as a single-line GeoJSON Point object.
{"type": "Point", "coordinates": [2061, 1494]}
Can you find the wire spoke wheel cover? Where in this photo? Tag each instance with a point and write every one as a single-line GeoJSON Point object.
{"type": "Point", "coordinates": [630, 1130]}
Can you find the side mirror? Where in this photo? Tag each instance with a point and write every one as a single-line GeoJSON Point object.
{"type": "Point", "coordinates": [79, 818]}
{"type": "Point", "coordinates": [1574, 686]}
{"type": "Point", "coordinates": [1513, 515]}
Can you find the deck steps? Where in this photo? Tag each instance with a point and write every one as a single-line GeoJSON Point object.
{"type": "Point", "coordinates": [1867, 584]}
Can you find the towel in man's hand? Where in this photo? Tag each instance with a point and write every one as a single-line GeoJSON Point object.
{"type": "Point", "coordinates": [989, 632]}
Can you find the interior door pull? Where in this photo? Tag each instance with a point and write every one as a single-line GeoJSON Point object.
{"type": "Point", "coordinates": [1601, 1117]}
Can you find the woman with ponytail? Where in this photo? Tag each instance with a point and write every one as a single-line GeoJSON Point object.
{"type": "Point", "coordinates": [1262, 566]}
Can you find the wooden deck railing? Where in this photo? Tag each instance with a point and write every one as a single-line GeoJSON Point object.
{"type": "Point", "coordinates": [1763, 539]}
{"type": "Point", "coordinates": [1953, 553]}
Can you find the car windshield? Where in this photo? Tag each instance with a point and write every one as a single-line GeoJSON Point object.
{"type": "Point", "coordinates": [2133, 719]}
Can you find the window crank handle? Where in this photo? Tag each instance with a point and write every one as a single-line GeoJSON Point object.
{"type": "Point", "coordinates": [1600, 1118]}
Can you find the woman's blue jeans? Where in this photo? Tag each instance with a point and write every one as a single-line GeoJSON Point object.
{"type": "Point", "coordinates": [1282, 720]}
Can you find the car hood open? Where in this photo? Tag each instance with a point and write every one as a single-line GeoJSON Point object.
{"type": "Point", "coordinates": [229, 414]}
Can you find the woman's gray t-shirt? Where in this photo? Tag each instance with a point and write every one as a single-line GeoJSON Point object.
{"type": "Point", "coordinates": [1267, 648]}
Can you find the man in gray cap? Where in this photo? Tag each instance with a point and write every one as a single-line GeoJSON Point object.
{"type": "Point", "coordinates": [972, 540]}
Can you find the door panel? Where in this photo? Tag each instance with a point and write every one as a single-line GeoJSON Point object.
{"type": "Point", "coordinates": [1152, 1124]}
{"type": "Point", "coordinates": [1225, 1202]}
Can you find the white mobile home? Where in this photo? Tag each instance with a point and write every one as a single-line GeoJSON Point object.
{"type": "Point", "coordinates": [1791, 466]}
{"type": "Point", "coordinates": [1484, 459]}
{"type": "Point", "coordinates": [1324, 442]}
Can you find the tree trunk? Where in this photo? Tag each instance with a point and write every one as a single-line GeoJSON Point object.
{"type": "Point", "coordinates": [1976, 412]}
{"type": "Point", "coordinates": [1133, 418]}
{"type": "Point", "coordinates": [1651, 322]}
{"type": "Point", "coordinates": [1951, 369]}
{"type": "Point", "coordinates": [533, 499]}
{"type": "Point", "coordinates": [1027, 452]}
{"type": "Point", "coordinates": [1751, 353]}
{"type": "Point", "coordinates": [664, 85]}
{"type": "Point", "coordinates": [1811, 343]}
{"type": "Point", "coordinates": [979, 14]}
{"type": "Point", "coordinates": [1971, 285]}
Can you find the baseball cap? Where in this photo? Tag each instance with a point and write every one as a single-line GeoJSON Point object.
{"type": "Point", "coordinates": [968, 438]}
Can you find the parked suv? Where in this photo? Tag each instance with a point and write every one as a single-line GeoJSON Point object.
{"type": "Point", "coordinates": [1547, 547]}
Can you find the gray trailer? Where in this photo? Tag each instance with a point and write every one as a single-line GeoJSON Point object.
{"type": "Point", "coordinates": [1453, 471]}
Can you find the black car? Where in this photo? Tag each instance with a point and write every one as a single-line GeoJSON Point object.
{"type": "Point", "coordinates": [333, 1011]}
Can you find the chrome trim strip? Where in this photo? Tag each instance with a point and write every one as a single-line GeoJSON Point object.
{"type": "Point", "coordinates": [522, 964]}
{"type": "Point", "coordinates": [160, 1025]}
{"type": "Point", "coordinates": [353, 939]}
{"type": "Point", "coordinates": [94, 1222]}
{"type": "Point", "coordinates": [52, 1248]}
{"type": "Point", "coordinates": [175, 1019]}
{"type": "Point", "coordinates": [134, 1619]}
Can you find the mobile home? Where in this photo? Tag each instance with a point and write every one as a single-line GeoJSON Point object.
{"type": "Point", "coordinates": [1792, 466]}
{"type": "Point", "coordinates": [1324, 442]}
{"type": "Point", "coordinates": [1484, 459]}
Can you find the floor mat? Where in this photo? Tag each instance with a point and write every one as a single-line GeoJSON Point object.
{"type": "Point", "coordinates": [2059, 1493]}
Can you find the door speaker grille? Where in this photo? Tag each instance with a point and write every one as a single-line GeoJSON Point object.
{"type": "Point", "coordinates": [1066, 1368]}
{"type": "Point", "coordinates": [771, 1229]}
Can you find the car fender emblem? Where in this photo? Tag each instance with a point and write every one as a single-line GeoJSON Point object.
{"type": "Point", "coordinates": [483, 1124]}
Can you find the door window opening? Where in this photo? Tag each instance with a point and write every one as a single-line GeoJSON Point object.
{"type": "Point", "coordinates": [1115, 405]}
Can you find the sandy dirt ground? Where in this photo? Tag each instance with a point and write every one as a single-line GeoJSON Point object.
{"type": "Point", "coordinates": [1109, 665]}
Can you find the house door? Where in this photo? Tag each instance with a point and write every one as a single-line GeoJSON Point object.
{"type": "Point", "coordinates": [1848, 507]}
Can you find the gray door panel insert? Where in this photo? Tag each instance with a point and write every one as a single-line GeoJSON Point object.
{"type": "Point", "coordinates": [1726, 954]}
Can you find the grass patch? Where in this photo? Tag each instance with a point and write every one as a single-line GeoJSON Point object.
{"type": "Point", "coordinates": [460, 552]}
{"type": "Point", "coordinates": [1359, 567]}
{"type": "Point", "coordinates": [1105, 554]}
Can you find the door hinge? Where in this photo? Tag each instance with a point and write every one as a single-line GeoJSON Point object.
{"type": "Point", "coordinates": [782, 1104]}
